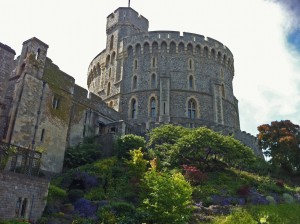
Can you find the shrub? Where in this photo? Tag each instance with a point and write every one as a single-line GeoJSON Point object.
{"type": "Point", "coordinates": [193, 174]}
{"type": "Point", "coordinates": [280, 183]}
{"type": "Point", "coordinates": [288, 198]}
{"type": "Point", "coordinates": [86, 152]}
{"type": "Point", "coordinates": [85, 208]}
{"type": "Point", "coordinates": [56, 193]}
{"type": "Point", "coordinates": [165, 198]}
{"type": "Point", "coordinates": [244, 191]}
{"type": "Point", "coordinates": [129, 142]}
{"type": "Point", "coordinates": [271, 200]}
{"type": "Point", "coordinates": [74, 195]}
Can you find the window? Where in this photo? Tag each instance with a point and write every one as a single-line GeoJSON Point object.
{"type": "Point", "coordinates": [190, 64]}
{"type": "Point", "coordinates": [153, 62]}
{"type": "Point", "coordinates": [134, 82]}
{"type": "Point", "coordinates": [192, 109]}
{"type": "Point", "coordinates": [135, 64]}
{"type": "Point", "coordinates": [153, 80]}
{"type": "Point", "coordinates": [108, 89]}
{"type": "Point", "coordinates": [191, 82]}
{"type": "Point", "coordinates": [42, 135]}
{"type": "Point", "coordinates": [21, 208]}
{"type": "Point", "coordinates": [133, 108]}
{"type": "Point", "coordinates": [153, 107]}
{"type": "Point", "coordinates": [55, 102]}
{"type": "Point", "coordinates": [111, 42]}
{"type": "Point", "coordinates": [37, 54]}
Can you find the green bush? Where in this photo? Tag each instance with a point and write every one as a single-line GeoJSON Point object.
{"type": "Point", "coordinates": [288, 198]}
{"type": "Point", "coordinates": [56, 193]}
{"type": "Point", "coordinates": [239, 216]}
{"type": "Point", "coordinates": [74, 195]}
{"type": "Point", "coordinates": [271, 200]}
{"type": "Point", "coordinates": [129, 142]}
{"type": "Point", "coordinates": [165, 198]}
{"type": "Point", "coordinates": [83, 153]}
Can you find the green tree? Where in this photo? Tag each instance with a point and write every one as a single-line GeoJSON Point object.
{"type": "Point", "coordinates": [129, 142]}
{"type": "Point", "coordinates": [165, 198]}
{"type": "Point", "coordinates": [83, 153]}
{"type": "Point", "coordinates": [280, 142]}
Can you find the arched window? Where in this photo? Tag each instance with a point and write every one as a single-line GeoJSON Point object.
{"type": "Point", "coordinates": [111, 42]}
{"type": "Point", "coordinates": [191, 82]}
{"type": "Point", "coordinates": [172, 49]}
{"type": "Point", "coordinates": [213, 53]}
{"type": "Point", "coordinates": [146, 48]}
{"type": "Point", "coordinates": [153, 107]}
{"type": "Point", "coordinates": [192, 109]}
{"type": "Point", "coordinates": [163, 47]}
{"type": "Point", "coordinates": [133, 108]}
{"type": "Point", "coordinates": [108, 89]}
{"type": "Point", "coordinates": [153, 80]}
{"type": "Point", "coordinates": [134, 82]}
{"type": "Point", "coordinates": [181, 47]}
{"type": "Point", "coordinates": [190, 48]}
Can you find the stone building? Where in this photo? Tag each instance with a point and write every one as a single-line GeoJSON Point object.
{"type": "Point", "coordinates": [141, 80]}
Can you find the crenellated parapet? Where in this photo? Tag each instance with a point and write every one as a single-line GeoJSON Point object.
{"type": "Point", "coordinates": [174, 42]}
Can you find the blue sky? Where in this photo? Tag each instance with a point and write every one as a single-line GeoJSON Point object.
{"type": "Point", "coordinates": [263, 36]}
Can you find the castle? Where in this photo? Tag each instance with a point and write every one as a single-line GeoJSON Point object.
{"type": "Point", "coordinates": [139, 81]}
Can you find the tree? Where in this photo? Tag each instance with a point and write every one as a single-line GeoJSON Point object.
{"type": "Point", "coordinates": [129, 142]}
{"type": "Point", "coordinates": [280, 141]}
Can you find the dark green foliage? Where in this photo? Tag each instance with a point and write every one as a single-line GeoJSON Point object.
{"type": "Point", "coordinates": [74, 195]}
{"type": "Point", "coordinates": [86, 152]}
{"type": "Point", "coordinates": [56, 193]}
{"type": "Point", "coordinates": [129, 142]}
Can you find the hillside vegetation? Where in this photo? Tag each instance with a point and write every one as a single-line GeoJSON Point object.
{"type": "Point", "coordinates": [177, 175]}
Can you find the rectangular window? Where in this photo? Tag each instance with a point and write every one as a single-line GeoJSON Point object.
{"type": "Point", "coordinates": [55, 102]}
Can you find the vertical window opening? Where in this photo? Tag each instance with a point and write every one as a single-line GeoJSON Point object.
{"type": "Point", "coordinates": [108, 89]}
{"type": "Point", "coordinates": [153, 107]}
{"type": "Point", "coordinates": [153, 62]}
{"type": "Point", "coordinates": [24, 208]}
{"type": "Point", "coordinates": [135, 64]}
{"type": "Point", "coordinates": [55, 103]}
{"type": "Point", "coordinates": [192, 109]}
{"type": "Point", "coordinates": [190, 62]}
{"type": "Point", "coordinates": [191, 82]}
{"type": "Point", "coordinates": [164, 108]}
{"type": "Point", "coordinates": [37, 54]}
{"type": "Point", "coordinates": [134, 84]}
{"type": "Point", "coordinates": [42, 135]}
{"type": "Point", "coordinates": [153, 80]}
{"type": "Point", "coordinates": [133, 108]}
{"type": "Point", "coordinates": [111, 42]}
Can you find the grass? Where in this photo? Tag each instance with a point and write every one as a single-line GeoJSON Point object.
{"type": "Point", "coordinates": [268, 214]}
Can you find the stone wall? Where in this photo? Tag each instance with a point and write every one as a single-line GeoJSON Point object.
{"type": "Point", "coordinates": [31, 192]}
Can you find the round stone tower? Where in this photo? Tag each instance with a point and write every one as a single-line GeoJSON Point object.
{"type": "Point", "coordinates": [164, 77]}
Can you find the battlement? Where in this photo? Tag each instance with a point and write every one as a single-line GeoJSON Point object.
{"type": "Point", "coordinates": [175, 36]}
{"type": "Point", "coordinates": [7, 48]}
{"type": "Point", "coordinates": [127, 16]}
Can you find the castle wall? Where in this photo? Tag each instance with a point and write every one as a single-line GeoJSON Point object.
{"type": "Point", "coordinates": [31, 192]}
